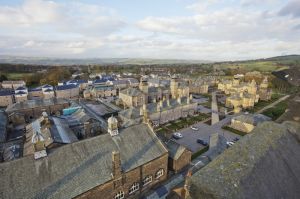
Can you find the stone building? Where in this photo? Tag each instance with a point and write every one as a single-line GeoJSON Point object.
{"type": "Point", "coordinates": [67, 91]}
{"type": "Point", "coordinates": [53, 131]}
{"type": "Point", "coordinates": [243, 99]}
{"type": "Point", "coordinates": [13, 84]}
{"type": "Point", "coordinates": [35, 93]}
{"type": "Point", "coordinates": [199, 88]}
{"type": "Point", "coordinates": [132, 97]}
{"type": "Point", "coordinates": [31, 109]}
{"type": "Point", "coordinates": [160, 112]}
{"type": "Point", "coordinates": [119, 165]}
{"type": "Point", "coordinates": [178, 88]}
{"type": "Point", "coordinates": [6, 97]}
{"type": "Point", "coordinates": [247, 122]}
{"type": "Point", "coordinates": [179, 156]}
{"type": "Point", "coordinates": [99, 91]}
{"type": "Point", "coordinates": [264, 92]}
{"type": "Point", "coordinates": [21, 94]}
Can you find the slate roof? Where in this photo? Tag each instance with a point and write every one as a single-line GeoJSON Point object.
{"type": "Point", "coordinates": [131, 92]}
{"type": "Point", "coordinates": [263, 164]}
{"type": "Point", "coordinates": [35, 103]}
{"type": "Point", "coordinates": [78, 167]}
{"type": "Point", "coordinates": [253, 119]}
{"type": "Point", "coordinates": [66, 87]}
{"type": "Point", "coordinates": [175, 149]}
{"type": "Point", "coordinates": [6, 92]}
{"type": "Point", "coordinates": [20, 88]}
{"type": "Point", "coordinates": [3, 126]}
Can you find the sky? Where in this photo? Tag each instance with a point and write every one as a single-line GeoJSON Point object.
{"type": "Point", "coordinates": [215, 30]}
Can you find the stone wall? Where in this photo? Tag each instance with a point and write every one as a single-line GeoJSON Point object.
{"type": "Point", "coordinates": [126, 180]}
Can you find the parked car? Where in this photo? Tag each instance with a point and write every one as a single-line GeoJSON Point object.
{"type": "Point", "coordinates": [236, 139]}
{"type": "Point", "coordinates": [194, 128]}
{"type": "Point", "coordinates": [204, 143]}
{"type": "Point", "coordinates": [177, 135]}
{"type": "Point", "coordinates": [229, 144]}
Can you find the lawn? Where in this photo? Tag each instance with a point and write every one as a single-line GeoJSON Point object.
{"type": "Point", "coordinates": [200, 152]}
{"type": "Point", "coordinates": [262, 104]}
{"type": "Point", "coordinates": [234, 131]}
{"type": "Point", "coordinates": [276, 111]}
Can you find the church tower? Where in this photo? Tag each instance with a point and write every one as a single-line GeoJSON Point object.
{"type": "Point", "coordinates": [112, 123]}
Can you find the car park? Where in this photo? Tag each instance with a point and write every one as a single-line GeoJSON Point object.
{"type": "Point", "coordinates": [204, 143]}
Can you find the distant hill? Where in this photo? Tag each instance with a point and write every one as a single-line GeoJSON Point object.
{"type": "Point", "coordinates": [92, 61]}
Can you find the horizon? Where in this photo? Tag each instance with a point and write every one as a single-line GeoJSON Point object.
{"type": "Point", "coordinates": [210, 30]}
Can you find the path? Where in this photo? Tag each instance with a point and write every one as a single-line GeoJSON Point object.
{"type": "Point", "coordinates": [214, 109]}
{"type": "Point", "coordinates": [273, 104]}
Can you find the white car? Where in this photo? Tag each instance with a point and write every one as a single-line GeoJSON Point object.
{"type": "Point", "coordinates": [177, 135]}
{"type": "Point", "coordinates": [194, 128]}
{"type": "Point", "coordinates": [229, 143]}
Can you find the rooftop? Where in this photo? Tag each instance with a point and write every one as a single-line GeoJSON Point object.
{"type": "Point", "coordinates": [35, 103]}
{"type": "Point", "coordinates": [254, 119]}
{"type": "Point", "coordinates": [78, 167]}
{"type": "Point", "coordinates": [264, 164]}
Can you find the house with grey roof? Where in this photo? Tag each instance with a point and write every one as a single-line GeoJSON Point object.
{"type": "Point", "coordinates": [123, 163]}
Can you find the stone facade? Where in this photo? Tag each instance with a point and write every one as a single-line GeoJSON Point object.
{"type": "Point", "coordinates": [13, 84]}
{"type": "Point", "coordinates": [132, 97]}
{"type": "Point", "coordinates": [122, 182]}
{"type": "Point", "coordinates": [34, 108]}
{"type": "Point", "coordinates": [199, 89]}
{"type": "Point", "coordinates": [181, 162]}
{"type": "Point", "coordinates": [100, 91]}
{"type": "Point", "coordinates": [6, 100]}
{"type": "Point", "coordinates": [68, 92]}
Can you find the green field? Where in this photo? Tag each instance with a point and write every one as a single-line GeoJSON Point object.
{"type": "Point", "coordinates": [17, 76]}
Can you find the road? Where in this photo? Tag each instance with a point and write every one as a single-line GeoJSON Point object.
{"type": "Point", "coordinates": [273, 104]}
{"type": "Point", "coordinates": [214, 109]}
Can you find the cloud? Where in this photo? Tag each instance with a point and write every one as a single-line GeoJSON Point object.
{"type": "Point", "coordinates": [291, 9]}
{"type": "Point", "coordinates": [29, 13]}
{"type": "Point", "coordinates": [75, 17]}
{"type": "Point", "coordinates": [208, 30]}
{"type": "Point", "coordinates": [223, 25]}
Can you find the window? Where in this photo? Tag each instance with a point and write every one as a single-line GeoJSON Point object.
{"type": "Point", "coordinates": [159, 173]}
{"type": "Point", "coordinates": [147, 180]}
{"type": "Point", "coordinates": [134, 188]}
{"type": "Point", "coordinates": [119, 195]}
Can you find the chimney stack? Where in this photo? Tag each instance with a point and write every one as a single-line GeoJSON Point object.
{"type": "Point", "coordinates": [145, 113]}
{"type": "Point", "coordinates": [179, 99]}
{"type": "Point", "coordinates": [116, 164]}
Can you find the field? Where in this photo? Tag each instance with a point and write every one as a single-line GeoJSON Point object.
{"type": "Point", "coordinates": [17, 76]}
{"type": "Point", "coordinates": [263, 66]}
